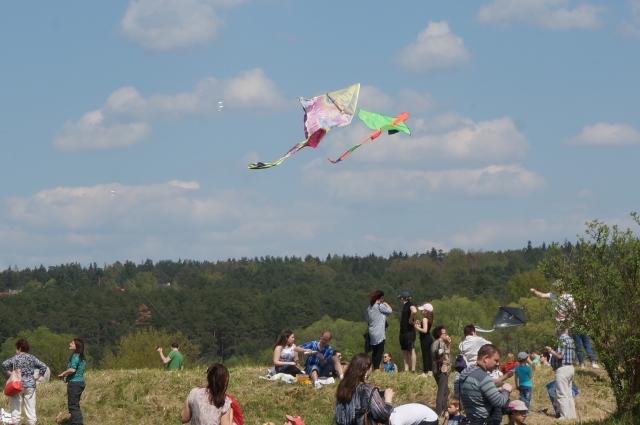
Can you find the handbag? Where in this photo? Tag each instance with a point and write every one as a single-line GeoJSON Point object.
{"type": "Point", "coordinates": [14, 383]}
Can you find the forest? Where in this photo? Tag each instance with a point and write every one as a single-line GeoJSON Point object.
{"type": "Point", "coordinates": [233, 310]}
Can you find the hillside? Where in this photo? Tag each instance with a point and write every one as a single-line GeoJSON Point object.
{"type": "Point", "coordinates": [146, 396]}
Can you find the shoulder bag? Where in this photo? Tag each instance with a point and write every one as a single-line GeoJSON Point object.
{"type": "Point", "coordinates": [14, 383]}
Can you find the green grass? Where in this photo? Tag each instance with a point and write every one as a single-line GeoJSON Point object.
{"type": "Point", "coordinates": [151, 396]}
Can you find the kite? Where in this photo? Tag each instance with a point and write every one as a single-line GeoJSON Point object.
{"type": "Point", "coordinates": [507, 317]}
{"type": "Point", "coordinates": [378, 123]}
{"type": "Point", "coordinates": [321, 114]}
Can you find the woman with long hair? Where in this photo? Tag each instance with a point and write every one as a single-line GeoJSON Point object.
{"type": "Point", "coordinates": [210, 405]}
{"type": "Point", "coordinates": [74, 377]}
{"type": "Point", "coordinates": [376, 316]}
{"type": "Point", "coordinates": [441, 366]}
{"type": "Point", "coordinates": [285, 358]}
{"type": "Point", "coordinates": [355, 393]}
{"type": "Point", "coordinates": [424, 328]}
{"type": "Point", "coordinates": [27, 397]}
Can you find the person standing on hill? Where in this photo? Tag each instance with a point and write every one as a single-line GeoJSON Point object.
{"type": "Point", "coordinates": [26, 363]}
{"type": "Point", "coordinates": [471, 344]}
{"type": "Point", "coordinates": [562, 362]}
{"type": "Point", "coordinates": [173, 360]}
{"type": "Point", "coordinates": [376, 317]}
{"type": "Point", "coordinates": [562, 305]}
{"type": "Point", "coordinates": [480, 398]}
{"type": "Point", "coordinates": [408, 332]}
{"type": "Point", "coordinates": [424, 328]}
{"type": "Point", "coordinates": [74, 377]}
{"type": "Point", "coordinates": [441, 354]}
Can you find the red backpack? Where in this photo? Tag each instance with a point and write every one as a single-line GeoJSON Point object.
{"type": "Point", "coordinates": [237, 411]}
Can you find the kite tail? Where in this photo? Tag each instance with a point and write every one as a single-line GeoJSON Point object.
{"type": "Point", "coordinates": [346, 154]}
{"type": "Point", "coordinates": [312, 141]}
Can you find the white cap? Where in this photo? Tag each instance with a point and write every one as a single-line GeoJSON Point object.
{"type": "Point", "coordinates": [426, 306]}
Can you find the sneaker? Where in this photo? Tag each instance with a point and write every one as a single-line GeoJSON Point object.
{"type": "Point", "coordinates": [317, 385]}
{"type": "Point", "coordinates": [595, 365]}
{"type": "Point", "coordinates": [582, 366]}
{"type": "Point", "coordinates": [429, 373]}
{"type": "Point", "coordinates": [424, 375]}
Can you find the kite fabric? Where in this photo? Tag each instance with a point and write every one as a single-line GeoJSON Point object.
{"type": "Point", "coordinates": [507, 317]}
{"type": "Point", "coordinates": [378, 123]}
{"type": "Point", "coordinates": [321, 114]}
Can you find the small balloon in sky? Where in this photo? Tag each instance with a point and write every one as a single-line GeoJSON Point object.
{"type": "Point", "coordinates": [220, 105]}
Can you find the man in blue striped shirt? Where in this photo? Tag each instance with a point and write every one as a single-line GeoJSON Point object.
{"type": "Point", "coordinates": [479, 396]}
{"type": "Point", "coordinates": [562, 362]}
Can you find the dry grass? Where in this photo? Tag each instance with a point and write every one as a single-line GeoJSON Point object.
{"type": "Point", "coordinates": [151, 396]}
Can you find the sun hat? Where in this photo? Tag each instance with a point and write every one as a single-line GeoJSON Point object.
{"type": "Point", "coordinates": [296, 420]}
{"type": "Point", "coordinates": [517, 405]}
{"type": "Point", "coordinates": [522, 355]}
{"type": "Point", "coordinates": [426, 306]}
{"type": "Point", "coordinates": [404, 295]}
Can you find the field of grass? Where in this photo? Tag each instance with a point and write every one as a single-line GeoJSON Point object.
{"type": "Point", "coordinates": [151, 396]}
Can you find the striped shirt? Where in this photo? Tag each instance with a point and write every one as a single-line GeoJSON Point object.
{"type": "Point", "coordinates": [567, 349]}
{"type": "Point", "coordinates": [478, 394]}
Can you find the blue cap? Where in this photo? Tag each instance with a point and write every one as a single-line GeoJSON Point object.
{"type": "Point", "coordinates": [404, 295]}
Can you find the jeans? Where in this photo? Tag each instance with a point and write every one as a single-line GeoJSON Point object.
{"type": "Point", "coordinates": [581, 340]}
{"type": "Point", "coordinates": [525, 395]}
{"type": "Point", "coordinates": [74, 391]}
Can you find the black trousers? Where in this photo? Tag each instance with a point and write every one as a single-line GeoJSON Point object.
{"type": "Point", "coordinates": [74, 391]}
{"type": "Point", "coordinates": [427, 358]}
{"type": "Point", "coordinates": [290, 370]}
{"type": "Point", "coordinates": [376, 355]}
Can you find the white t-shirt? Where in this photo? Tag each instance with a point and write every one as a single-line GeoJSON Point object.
{"type": "Point", "coordinates": [412, 414]}
{"type": "Point", "coordinates": [562, 305]}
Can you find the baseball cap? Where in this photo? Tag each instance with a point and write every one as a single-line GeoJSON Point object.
{"type": "Point", "coordinates": [522, 355]}
{"type": "Point", "coordinates": [426, 306]}
{"type": "Point", "coordinates": [297, 420]}
{"type": "Point", "coordinates": [404, 295]}
{"type": "Point", "coordinates": [517, 405]}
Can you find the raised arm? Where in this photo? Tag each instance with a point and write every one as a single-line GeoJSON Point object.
{"type": "Point", "coordinates": [540, 294]}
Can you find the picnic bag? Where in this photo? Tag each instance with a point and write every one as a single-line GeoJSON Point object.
{"type": "Point", "coordinates": [14, 383]}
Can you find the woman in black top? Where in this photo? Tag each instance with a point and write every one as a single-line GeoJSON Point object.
{"type": "Point", "coordinates": [424, 328]}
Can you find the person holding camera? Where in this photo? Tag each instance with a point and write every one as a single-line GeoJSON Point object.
{"type": "Point", "coordinates": [173, 360]}
{"type": "Point", "coordinates": [441, 354]}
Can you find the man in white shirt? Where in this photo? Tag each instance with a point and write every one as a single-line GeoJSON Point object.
{"type": "Point", "coordinates": [471, 344]}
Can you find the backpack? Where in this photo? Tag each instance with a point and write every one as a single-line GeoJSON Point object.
{"type": "Point", "coordinates": [237, 411]}
{"type": "Point", "coordinates": [460, 363]}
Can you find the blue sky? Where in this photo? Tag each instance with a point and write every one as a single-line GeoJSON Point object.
{"type": "Point", "coordinates": [524, 119]}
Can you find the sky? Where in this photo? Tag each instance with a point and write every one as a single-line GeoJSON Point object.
{"type": "Point", "coordinates": [524, 122]}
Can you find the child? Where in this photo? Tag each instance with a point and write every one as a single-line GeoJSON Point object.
{"type": "Point", "coordinates": [509, 364]}
{"type": "Point", "coordinates": [523, 379]}
{"type": "Point", "coordinates": [535, 358]}
{"type": "Point", "coordinates": [517, 413]}
{"type": "Point", "coordinates": [387, 364]}
{"type": "Point", "coordinates": [453, 416]}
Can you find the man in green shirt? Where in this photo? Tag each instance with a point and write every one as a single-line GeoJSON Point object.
{"type": "Point", "coordinates": [173, 360]}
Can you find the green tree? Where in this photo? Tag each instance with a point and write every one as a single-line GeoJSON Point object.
{"type": "Point", "coordinates": [138, 350]}
{"type": "Point", "coordinates": [520, 283]}
{"type": "Point", "coordinates": [144, 282]}
{"type": "Point", "coordinates": [602, 273]}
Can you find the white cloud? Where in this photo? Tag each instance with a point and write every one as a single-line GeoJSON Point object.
{"type": "Point", "coordinates": [436, 47]}
{"type": "Point", "coordinates": [547, 14]}
{"type": "Point", "coordinates": [631, 28]}
{"type": "Point", "coordinates": [373, 99]}
{"type": "Point", "coordinates": [170, 24]}
{"type": "Point", "coordinates": [446, 136]}
{"type": "Point", "coordinates": [155, 221]}
{"type": "Point", "coordinates": [604, 134]}
{"type": "Point", "coordinates": [406, 184]}
{"type": "Point", "coordinates": [122, 120]}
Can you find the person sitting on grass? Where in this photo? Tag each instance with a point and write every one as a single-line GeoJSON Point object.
{"type": "Point", "coordinates": [523, 379]}
{"type": "Point", "coordinates": [354, 393]}
{"type": "Point", "coordinates": [320, 359]}
{"type": "Point", "coordinates": [387, 364]}
{"type": "Point", "coordinates": [453, 416]}
{"type": "Point", "coordinates": [517, 412]}
{"type": "Point", "coordinates": [285, 358]}
{"type": "Point", "coordinates": [291, 420]}
{"type": "Point", "coordinates": [210, 405]}
{"type": "Point", "coordinates": [535, 357]}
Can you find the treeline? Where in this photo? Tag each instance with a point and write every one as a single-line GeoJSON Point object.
{"type": "Point", "coordinates": [238, 307]}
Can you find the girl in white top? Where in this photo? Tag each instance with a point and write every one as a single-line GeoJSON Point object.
{"type": "Point", "coordinates": [285, 359]}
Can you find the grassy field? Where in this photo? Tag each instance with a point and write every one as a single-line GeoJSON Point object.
{"type": "Point", "coordinates": [151, 396]}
